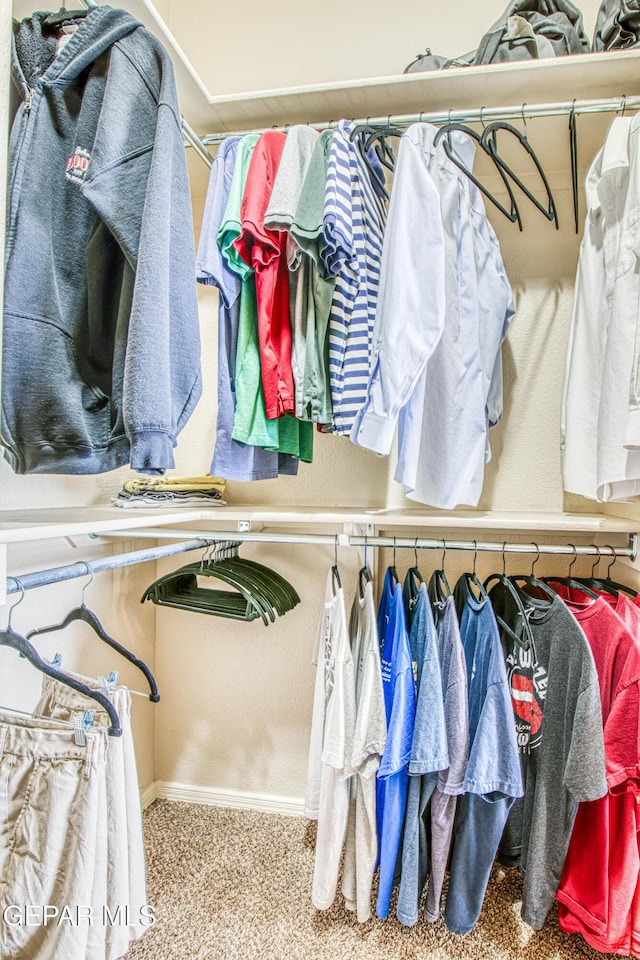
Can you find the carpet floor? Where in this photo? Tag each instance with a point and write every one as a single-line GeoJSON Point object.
{"type": "Point", "coordinates": [235, 885]}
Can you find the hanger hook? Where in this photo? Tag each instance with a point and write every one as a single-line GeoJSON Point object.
{"type": "Point", "coordinates": [504, 558]}
{"type": "Point", "coordinates": [420, 120]}
{"type": "Point", "coordinates": [475, 556]}
{"type": "Point", "coordinates": [536, 559]}
{"type": "Point", "coordinates": [614, 557]}
{"type": "Point", "coordinates": [85, 585]}
{"type": "Point", "coordinates": [483, 127]}
{"type": "Point", "coordinates": [524, 119]}
{"type": "Point", "coordinates": [394, 551]}
{"type": "Point", "coordinates": [444, 552]}
{"type": "Point", "coordinates": [17, 603]}
{"type": "Point", "coordinates": [415, 551]}
{"type": "Point", "coordinates": [335, 550]}
{"type": "Point", "coordinates": [623, 104]}
{"type": "Point", "coordinates": [596, 562]}
{"type": "Point", "coordinates": [575, 556]}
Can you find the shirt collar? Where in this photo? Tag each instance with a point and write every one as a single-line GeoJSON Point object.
{"type": "Point", "coordinates": [614, 155]}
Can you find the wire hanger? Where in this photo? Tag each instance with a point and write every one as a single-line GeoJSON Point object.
{"type": "Point", "coordinates": [10, 638]}
{"type": "Point", "coordinates": [490, 143]}
{"type": "Point", "coordinates": [512, 214]}
{"type": "Point", "coordinates": [84, 614]}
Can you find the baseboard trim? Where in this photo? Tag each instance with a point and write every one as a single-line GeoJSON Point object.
{"type": "Point", "coordinates": [165, 790]}
{"type": "Point", "coordinates": [148, 795]}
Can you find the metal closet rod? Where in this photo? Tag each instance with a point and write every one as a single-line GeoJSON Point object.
{"type": "Point", "coordinates": [200, 539]}
{"type": "Point", "coordinates": [524, 111]}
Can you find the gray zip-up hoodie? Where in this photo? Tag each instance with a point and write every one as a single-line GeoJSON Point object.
{"type": "Point", "coordinates": [101, 358]}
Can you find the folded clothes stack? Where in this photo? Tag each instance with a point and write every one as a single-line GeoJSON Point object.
{"type": "Point", "coordinates": [201, 491]}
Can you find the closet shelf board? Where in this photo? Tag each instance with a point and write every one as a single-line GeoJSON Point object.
{"type": "Point", "coordinates": [31, 525]}
{"type": "Point", "coordinates": [584, 76]}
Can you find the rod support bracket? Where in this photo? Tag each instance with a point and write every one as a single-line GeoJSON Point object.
{"type": "Point", "coordinates": [244, 526]}
{"type": "Point", "coordinates": [633, 546]}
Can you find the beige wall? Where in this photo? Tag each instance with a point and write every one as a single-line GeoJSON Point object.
{"type": "Point", "coordinates": [236, 698]}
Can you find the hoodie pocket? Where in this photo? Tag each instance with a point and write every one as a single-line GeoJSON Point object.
{"type": "Point", "coordinates": [46, 401]}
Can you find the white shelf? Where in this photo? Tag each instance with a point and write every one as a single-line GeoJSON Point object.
{"type": "Point", "coordinates": [584, 76]}
{"type": "Point", "coordinates": [23, 526]}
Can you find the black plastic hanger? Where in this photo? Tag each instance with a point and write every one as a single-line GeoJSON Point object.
{"type": "Point", "coordinates": [573, 153]}
{"type": "Point", "coordinates": [514, 213]}
{"type": "Point", "coordinates": [502, 580]}
{"type": "Point", "coordinates": [490, 143]}
{"type": "Point", "coordinates": [55, 20]}
{"type": "Point", "coordinates": [413, 580]}
{"type": "Point", "coordinates": [334, 569]}
{"type": "Point", "coordinates": [608, 585]}
{"type": "Point", "coordinates": [84, 614]}
{"type": "Point", "coordinates": [10, 638]}
{"type": "Point", "coordinates": [439, 589]}
{"type": "Point", "coordinates": [575, 583]}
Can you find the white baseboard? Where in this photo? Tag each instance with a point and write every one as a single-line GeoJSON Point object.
{"type": "Point", "coordinates": [165, 790]}
{"type": "Point", "coordinates": [148, 795]}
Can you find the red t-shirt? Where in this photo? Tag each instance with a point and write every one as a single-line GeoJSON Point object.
{"type": "Point", "coordinates": [262, 249]}
{"type": "Point", "coordinates": [600, 877]}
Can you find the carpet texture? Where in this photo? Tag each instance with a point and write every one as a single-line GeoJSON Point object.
{"type": "Point", "coordinates": [236, 885]}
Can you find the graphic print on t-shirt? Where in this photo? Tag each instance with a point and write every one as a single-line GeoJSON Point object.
{"type": "Point", "coordinates": [528, 685]}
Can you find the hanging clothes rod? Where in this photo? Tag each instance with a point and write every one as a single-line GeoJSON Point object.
{"type": "Point", "coordinates": [200, 539]}
{"type": "Point", "coordinates": [401, 543]}
{"type": "Point", "coordinates": [193, 140]}
{"type": "Point", "coordinates": [71, 571]}
{"type": "Point", "coordinates": [525, 111]}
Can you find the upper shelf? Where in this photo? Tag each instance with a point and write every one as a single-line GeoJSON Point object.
{"type": "Point", "coordinates": [22, 526]}
{"type": "Point", "coordinates": [585, 76]}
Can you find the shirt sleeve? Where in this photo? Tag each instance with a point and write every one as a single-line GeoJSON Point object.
{"type": "Point", "coordinates": [411, 302]}
{"type": "Point", "coordinates": [143, 199]}
{"type": "Point", "coordinates": [584, 774]}
{"type": "Point", "coordinates": [622, 741]}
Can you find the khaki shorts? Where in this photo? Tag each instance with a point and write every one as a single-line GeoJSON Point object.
{"type": "Point", "coordinates": [50, 802]}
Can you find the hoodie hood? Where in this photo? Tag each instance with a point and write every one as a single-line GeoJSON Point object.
{"type": "Point", "coordinates": [35, 45]}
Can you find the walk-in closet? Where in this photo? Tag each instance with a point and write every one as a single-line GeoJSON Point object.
{"type": "Point", "coordinates": [204, 591]}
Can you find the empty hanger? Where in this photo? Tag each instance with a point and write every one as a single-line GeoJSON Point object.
{"type": "Point", "coordinates": [257, 591]}
{"type": "Point", "coordinates": [84, 614]}
{"type": "Point", "coordinates": [513, 214]}
{"type": "Point", "coordinates": [573, 156]}
{"type": "Point", "coordinates": [10, 638]}
{"type": "Point", "coordinates": [489, 141]}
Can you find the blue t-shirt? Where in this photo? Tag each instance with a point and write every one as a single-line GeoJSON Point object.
{"type": "Point", "coordinates": [393, 774]}
{"type": "Point", "coordinates": [494, 762]}
{"type": "Point", "coordinates": [429, 755]}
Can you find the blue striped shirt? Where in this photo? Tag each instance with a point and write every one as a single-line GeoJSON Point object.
{"type": "Point", "coordinates": [354, 219]}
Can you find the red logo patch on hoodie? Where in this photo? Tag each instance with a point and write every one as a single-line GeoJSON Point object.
{"type": "Point", "coordinates": [77, 165]}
